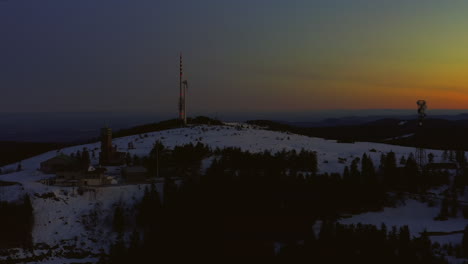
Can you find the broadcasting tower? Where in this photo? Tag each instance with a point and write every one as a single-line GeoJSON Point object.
{"type": "Point", "coordinates": [183, 86]}
{"type": "Point", "coordinates": [420, 152]}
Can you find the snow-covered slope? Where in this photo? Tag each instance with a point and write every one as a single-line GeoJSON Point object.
{"type": "Point", "coordinates": [67, 218]}
{"type": "Point", "coordinates": [419, 217]}
{"type": "Point", "coordinates": [249, 138]}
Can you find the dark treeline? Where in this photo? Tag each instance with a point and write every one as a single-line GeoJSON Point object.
{"type": "Point", "coordinates": [246, 203]}
{"type": "Point", "coordinates": [435, 134]}
{"type": "Point", "coordinates": [336, 243]}
{"type": "Point", "coordinates": [11, 152]}
{"type": "Point", "coordinates": [164, 125]}
{"type": "Point", "coordinates": [16, 223]}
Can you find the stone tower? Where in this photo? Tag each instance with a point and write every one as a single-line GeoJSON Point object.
{"type": "Point", "coordinates": [106, 145]}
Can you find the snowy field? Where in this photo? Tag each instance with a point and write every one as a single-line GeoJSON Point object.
{"type": "Point", "coordinates": [418, 216]}
{"type": "Point", "coordinates": [63, 220]}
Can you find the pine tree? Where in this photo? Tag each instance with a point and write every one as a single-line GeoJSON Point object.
{"type": "Point", "coordinates": [390, 172]}
{"type": "Point", "coordinates": [119, 220]}
{"type": "Point", "coordinates": [365, 168]}
{"type": "Point", "coordinates": [118, 251]}
{"type": "Point", "coordinates": [454, 205]}
{"type": "Point", "coordinates": [451, 155]}
{"type": "Point", "coordinates": [404, 235]}
{"type": "Point", "coordinates": [390, 162]}
{"type": "Point", "coordinates": [313, 163]}
{"type": "Point", "coordinates": [369, 189]}
{"type": "Point", "coordinates": [128, 159]}
{"type": "Point", "coordinates": [444, 209]}
{"type": "Point", "coordinates": [430, 157]}
{"type": "Point", "coordinates": [460, 157]}
{"type": "Point", "coordinates": [465, 242]}
{"type": "Point", "coordinates": [136, 160]}
{"type": "Point", "coordinates": [383, 229]}
{"type": "Point", "coordinates": [403, 160]}
{"type": "Point", "coordinates": [85, 159]}
{"type": "Point", "coordinates": [134, 244]}
{"type": "Point", "coordinates": [354, 171]}
{"type": "Point", "coordinates": [445, 155]}
{"type": "Point", "coordinates": [28, 218]}
{"type": "Point", "coordinates": [412, 175]}
{"type": "Point", "coordinates": [346, 175]}
{"type": "Point", "coordinates": [382, 161]}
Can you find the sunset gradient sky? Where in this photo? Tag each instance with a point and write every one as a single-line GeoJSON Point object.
{"type": "Point", "coordinates": [243, 55]}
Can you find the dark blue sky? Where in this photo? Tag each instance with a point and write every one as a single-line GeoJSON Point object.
{"type": "Point", "coordinates": [245, 55]}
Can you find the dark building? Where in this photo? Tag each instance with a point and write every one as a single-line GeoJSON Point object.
{"type": "Point", "coordinates": [95, 177]}
{"type": "Point", "coordinates": [109, 156]}
{"type": "Point", "coordinates": [60, 163]}
{"type": "Point", "coordinates": [135, 174]}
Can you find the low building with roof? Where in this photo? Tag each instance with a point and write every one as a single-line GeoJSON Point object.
{"type": "Point", "coordinates": [135, 174]}
{"type": "Point", "coordinates": [59, 163]}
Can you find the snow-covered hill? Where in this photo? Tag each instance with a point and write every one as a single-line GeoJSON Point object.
{"type": "Point", "coordinates": [81, 221]}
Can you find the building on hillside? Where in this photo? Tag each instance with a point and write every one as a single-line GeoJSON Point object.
{"type": "Point", "coordinates": [60, 163]}
{"type": "Point", "coordinates": [135, 174]}
{"type": "Point", "coordinates": [91, 177]}
{"type": "Point", "coordinates": [109, 156]}
{"type": "Point", "coordinates": [130, 145]}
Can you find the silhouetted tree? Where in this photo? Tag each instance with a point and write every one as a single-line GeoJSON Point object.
{"type": "Point", "coordinates": [445, 155]}
{"type": "Point", "coordinates": [403, 160]}
{"type": "Point", "coordinates": [430, 157]}
{"type": "Point", "coordinates": [465, 242]}
{"type": "Point", "coordinates": [128, 159]}
{"type": "Point", "coordinates": [346, 175]}
{"type": "Point", "coordinates": [119, 220]}
{"type": "Point", "coordinates": [85, 159]}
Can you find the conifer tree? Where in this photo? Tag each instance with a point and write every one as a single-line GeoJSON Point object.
{"type": "Point", "coordinates": [454, 205]}
{"type": "Point", "coordinates": [119, 220]}
{"type": "Point", "coordinates": [403, 160]}
{"type": "Point", "coordinates": [430, 157]}
{"type": "Point", "coordinates": [451, 155]}
{"type": "Point", "coordinates": [85, 159]}
{"type": "Point", "coordinates": [444, 209]}
{"type": "Point", "coordinates": [465, 242]}
{"type": "Point", "coordinates": [445, 155]}
{"type": "Point", "coordinates": [134, 243]}
{"type": "Point", "coordinates": [368, 170]}
{"type": "Point", "coordinates": [354, 171]}
{"type": "Point", "coordinates": [383, 157]}
{"type": "Point", "coordinates": [390, 172]}
{"type": "Point", "coordinates": [346, 175]}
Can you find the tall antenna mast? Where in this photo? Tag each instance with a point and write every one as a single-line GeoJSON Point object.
{"type": "Point", "coordinates": [183, 85]}
{"type": "Point", "coordinates": [185, 88]}
{"type": "Point", "coordinates": [420, 152]}
{"type": "Point", "coordinates": [181, 95]}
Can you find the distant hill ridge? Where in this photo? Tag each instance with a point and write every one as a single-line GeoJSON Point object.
{"type": "Point", "coordinates": [164, 125]}
{"type": "Point", "coordinates": [437, 133]}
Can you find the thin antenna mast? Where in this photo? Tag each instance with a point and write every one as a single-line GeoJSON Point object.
{"type": "Point", "coordinates": [181, 95]}
{"type": "Point", "coordinates": [183, 86]}
{"type": "Point", "coordinates": [420, 152]}
{"type": "Point", "coordinates": [185, 101]}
